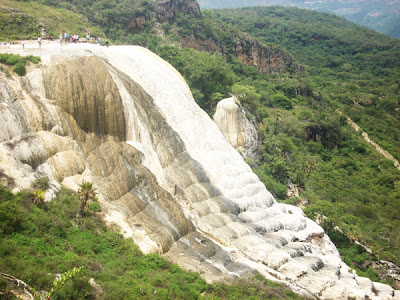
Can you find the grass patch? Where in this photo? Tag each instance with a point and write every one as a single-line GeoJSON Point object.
{"type": "Point", "coordinates": [30, 17]}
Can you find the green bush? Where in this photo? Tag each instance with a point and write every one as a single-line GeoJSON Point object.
{"type": "Point", "coordinates": [11, 212]}
{"type": "Point", "coordinates": [280, 100]}
{"type": "Point", "coordinates": [41, 183]}
{"type": "Point", "coordinates": [275, 188]}
{"type": "Point", "coordinates": [34, 59]}
{"type": "Point", "coordinates": [247, 95]}
{"type": "Point", "coordinates": [12, 60]}
{"type": "Point", "coordinates": [19, 68]}
{"type": "Point", "coordinates": [4, 57]}
{"type": "Point", "coordinates": [94, 207]}
{"type": "Point", "coordinates": [17, 62]}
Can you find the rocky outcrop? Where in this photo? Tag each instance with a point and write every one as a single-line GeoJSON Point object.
{"type": "Point", "coordinates": [266, 58]}
{"type": "Point", "coordinates": [165, 174]}
{"type": "Point", "coordinates": [239, 131]}
{"type": "Point", "coordinates": [163, 11]}
{"type": "Point", "coordinates": [15, 288]}
{"type": "Point", "coordinates": [388, 271]}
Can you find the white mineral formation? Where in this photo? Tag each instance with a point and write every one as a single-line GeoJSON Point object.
{"type": "Point", "coordinates": [124, 119]}
{"type": "Point", "coordinates": [239, 131]}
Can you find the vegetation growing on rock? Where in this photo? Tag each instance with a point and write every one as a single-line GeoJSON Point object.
{"type": "Point", "coordinates": [18, 62]}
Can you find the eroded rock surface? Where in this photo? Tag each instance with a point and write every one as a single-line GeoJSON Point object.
{"type": "Point", "coordinates": [239, 131]}
{"type": "Point", "coordinates": [125, 119]}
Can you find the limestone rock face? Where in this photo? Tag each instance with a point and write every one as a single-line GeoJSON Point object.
{"type": "Point", "coordinates": [239, 131]}
{"type": "Point", "coordinates": [125, 120]}
{"type": "Point", "coordinates": [268, 59]}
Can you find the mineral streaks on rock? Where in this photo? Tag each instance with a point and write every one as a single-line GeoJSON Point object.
{"type": "Point", "coordinates": [241, 133]}
{"type": "Point", "coordinates": [164, 172]}
{"type": "Point", "coordinates": [95, 107]}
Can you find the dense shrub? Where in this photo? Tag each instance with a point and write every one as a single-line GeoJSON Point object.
{"type": "Point", "coordinates": [282, 101]}
{"type": "Point", "coordinates": [34, 59]}
{"type": "Point", "coordinates": [41, 183]}
{"type": "Point", "coordinates": [12, 60]}
{"type": "Point", "coordinates": [19, 68]}
{"type": "Point", "coordinates": [11, 212]}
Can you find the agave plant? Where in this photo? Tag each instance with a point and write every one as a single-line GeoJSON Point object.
{"type": "Point", "coordinates": [38, 197]}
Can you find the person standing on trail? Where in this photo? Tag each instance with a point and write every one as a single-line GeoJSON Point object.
{"type": "Point", "coordinates": [61, 38]}
{"type": "Point", "coordinates": [107, 43]}
{"type": "Point", "coordinates": [23, 44]}
{"type": "Point", "coordinates": [39, 41]}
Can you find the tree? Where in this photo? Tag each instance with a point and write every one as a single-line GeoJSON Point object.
{"type": "Point", "coordinates": [86, 193]}
{"type": "Point", "coordinates": [282, 101]}
{"type": "Point", "coordinates": [247, 95]}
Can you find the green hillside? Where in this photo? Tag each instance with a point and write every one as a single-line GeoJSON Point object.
{"type": "Point", "coordinates": [356, 71]}
{"type": "Point", "coordinates": [29, 19]}
{"type": "Point", "coordinates": [382, 16]}
{"type": "Point", "coordinates": [356, 67]}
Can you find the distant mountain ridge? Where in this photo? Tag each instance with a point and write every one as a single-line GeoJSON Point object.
{"type": "Point", "coordinates": [382, 16]}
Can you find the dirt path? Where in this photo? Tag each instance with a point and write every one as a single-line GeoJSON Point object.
{"type": "Point", "coordinates": [377, 147]}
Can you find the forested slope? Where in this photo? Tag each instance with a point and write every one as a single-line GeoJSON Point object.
{"type": "Point", "coordinates": [356, 71]}
{"type": "Point", "coordinates": [382, 16]}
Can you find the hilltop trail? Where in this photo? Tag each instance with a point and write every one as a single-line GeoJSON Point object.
{"type": "Point", "coordinates": [378, 148]}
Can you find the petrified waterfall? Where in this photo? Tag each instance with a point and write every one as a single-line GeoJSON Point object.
{"type": "Point", "coordinates": [124, 119]}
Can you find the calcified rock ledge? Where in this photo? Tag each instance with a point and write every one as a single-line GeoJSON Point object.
{"type": "Point", "coordinates": [239, 131]}
{"type": "Point", "coordinates": [125, 119]}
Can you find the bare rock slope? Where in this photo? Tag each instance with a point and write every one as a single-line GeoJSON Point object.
{"type": "Point", "coordinates": [125, 119]}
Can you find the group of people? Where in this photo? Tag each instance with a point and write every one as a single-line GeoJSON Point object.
{"type": "Point", "coordinates": [67, 39]}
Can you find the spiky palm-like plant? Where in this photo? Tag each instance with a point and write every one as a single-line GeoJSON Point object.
{"type": "Point", "coordinates": [38, 197]}
{"type": "Point", "coordinates": [86, 193]}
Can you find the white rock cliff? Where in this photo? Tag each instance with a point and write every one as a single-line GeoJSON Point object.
{"type": "Point", "coordinates": [239, 131]}
{"type": "Point", "coordinates": [124, 119]}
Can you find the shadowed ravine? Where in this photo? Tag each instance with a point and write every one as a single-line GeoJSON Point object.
{"type": "Point", "coordinates": [125, 119]}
